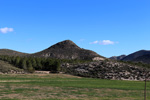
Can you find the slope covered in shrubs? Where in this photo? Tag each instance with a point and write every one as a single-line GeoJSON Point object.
{"type": "Point", "coordinates": [8, 68]}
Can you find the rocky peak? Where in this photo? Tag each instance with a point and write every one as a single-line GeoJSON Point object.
{"type": "Point", "coordinates": [65, 44]}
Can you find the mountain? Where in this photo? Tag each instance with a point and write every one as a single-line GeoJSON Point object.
{"type": "Point", "coordinates": [143, 59]}
{"type": "Point", "coordinates": [66, 50]}
{"type": "Point", "coordinates": [11, 52]}
{"type": "Point", "coordinates": [135, 55]}
{"type": "Point", "coordinates": [117, 57]}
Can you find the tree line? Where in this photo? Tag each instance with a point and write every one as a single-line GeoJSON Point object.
{"type": "Point", "coordinates": [31, 64]}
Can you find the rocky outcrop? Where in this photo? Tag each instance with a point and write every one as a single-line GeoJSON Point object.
{"type": "Point", "coordinates": [106, 70]}
{"type": "Point", "coordinates": [98, 59]}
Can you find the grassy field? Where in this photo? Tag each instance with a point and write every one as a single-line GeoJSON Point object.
{"type": "Point", "coordinates": [67, 87]}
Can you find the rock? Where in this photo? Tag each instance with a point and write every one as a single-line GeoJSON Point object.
{"type": "Point", "coordinates": [106, 70]}
{"type": "Point", "coordinates": [98, 59]}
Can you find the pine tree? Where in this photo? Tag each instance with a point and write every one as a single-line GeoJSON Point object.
{"type": "Point", "coordinates": [39, 65]}
{"type": "Point", "coordinates": [17, 61]}
{"type": "Point", "coordinates": [30, 67]}
{"type": "Point", "coordinates": [24, 64]}
{"type": "Point", "coordinates": [34, 64]}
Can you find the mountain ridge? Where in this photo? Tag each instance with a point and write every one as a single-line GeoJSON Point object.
{"type": "Point", "coordinates": [136, 54]}
{"type": "Point", "coordinates": [117, 57]}
{"type": "Point", "coordinates": [142, 56]}
{"type": "Point", "coordinates": [66, 49]}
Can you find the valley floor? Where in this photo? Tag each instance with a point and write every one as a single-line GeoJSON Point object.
{"type": "Point", "coordinates": [67, 87]}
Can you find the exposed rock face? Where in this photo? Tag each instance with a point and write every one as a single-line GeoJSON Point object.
{"type": "Point", "coordinates": [106, 70]}
{"type": "Point", "coordinates": [67, 50]}
{"type": "Point", "coordinates": [98, 59]}
{"type": "Point", "coordinates": [117, 57]}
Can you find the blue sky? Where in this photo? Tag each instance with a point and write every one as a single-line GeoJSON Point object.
{"type": "Point", "coordinates": [108, 27]}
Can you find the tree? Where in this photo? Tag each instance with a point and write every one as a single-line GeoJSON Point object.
{"type": "Point", "coordinates": [34, 64]}
{"type": "Point", "coordinates": [30, 67]}
{"type": "Point", "coordinates": [17, 61]}
{"type": "Point", "coordinates": [38, 64]}
{"type": "Point", "coordinates": [56, 67]}
{"type": "Point", "coordinates": [24, 64]}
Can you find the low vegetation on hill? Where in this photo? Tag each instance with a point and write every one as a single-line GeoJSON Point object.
{"type": "Point", "coordinates": [143, 59]}
{"type": "Point", "coordinates": [11, 52]}
{"type": "Point", "coordinates": [8, 68]}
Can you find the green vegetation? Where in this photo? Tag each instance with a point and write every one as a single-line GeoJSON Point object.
{"type": "Point", "coordinates": [6, 67]}
{"type": "Point", "coordinates": [140, 64]}
{"type": "Point", "coordinates": [61, 86]}
{"type": "Point", "coordinates": [31, 64]}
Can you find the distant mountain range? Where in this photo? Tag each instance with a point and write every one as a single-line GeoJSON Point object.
{"type": "Point", "coordinates": [139, 56]}
{"type": "Point", "coordinates": [117, 57]}
{"type": "Point", "coordinates": [62, 50]}
{"type": "Point", "coordinates": [69, 50]}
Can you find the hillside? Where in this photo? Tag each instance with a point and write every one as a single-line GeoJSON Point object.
{"type": "Point", "coordinates": [66, 50]}
{"type": "Point", "coordinates": [11, 52]}
{"type": "Point", "coordinates": [8, 68]}
{"type": "Point", "coordinates": [143, 59]}
{"type": "Point", "coordinates": [133, 56]}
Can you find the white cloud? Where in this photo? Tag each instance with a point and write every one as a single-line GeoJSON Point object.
{"type": "Point", "coordinates": [104, 42]}
{"type": "Point", "coordinates": [95, 42]}
{"type": "Point", "coordinates": [6, 30]}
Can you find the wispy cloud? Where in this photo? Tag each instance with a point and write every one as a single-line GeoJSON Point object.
{"type": "Point", "coordinates": [6, 30]}
{"type": "Point", "coordinates": [104, 42]}
{"type": "Point", "coordinates": [95, 42]}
